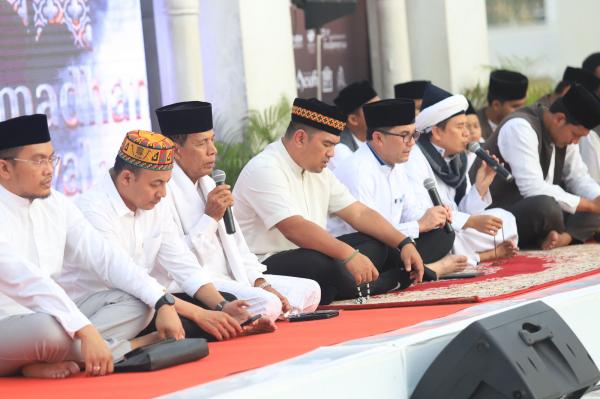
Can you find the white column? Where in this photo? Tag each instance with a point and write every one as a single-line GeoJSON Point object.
{"type": "Point", "coordinates": [448, 42]}
{"type": "Point", "coordinates": [389, 43]}
{"type": "Point", "coordinates": [266, 33]}
{"type": "Point", "coordinates": [179, 51]}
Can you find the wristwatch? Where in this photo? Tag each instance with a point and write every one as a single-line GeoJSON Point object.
{"type": "Point", "coordinates": [405, 242]}
{"type": "Point", "coordinates": [166, 299]}
{"type": "Point", "coordinates": [221, 305]}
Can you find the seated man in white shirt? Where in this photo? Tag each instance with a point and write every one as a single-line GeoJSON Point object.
{"type": "Point", "coordinates": [481, 235]}
{"type": "Point", "coordinates": [284, 196]}
{"type": "Point", "coordinates": [376, 177]}
{"type": "Point", "coordinates": [126, 207]}
{"type": "Point", "coordinates": [197, 208]}
{"type": "Point", "coordinates": [553, 197]}
{"type": "Point", "coordinates": [350, 101]}
{"type": "Point", "coordinates": [44, 333]}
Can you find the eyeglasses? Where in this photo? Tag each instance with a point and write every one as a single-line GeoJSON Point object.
{"type": "Point", "coordinates": [52, 161]}
{"type": "Point", "coordinates": [405, 137]}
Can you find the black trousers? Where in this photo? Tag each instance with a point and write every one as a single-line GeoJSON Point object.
{"type": "Point", "coordinates": [333, 277]}
{"type": "Point", "coordinates": [434, 245]}
{"type": "Point", "coordinates": [192, 330]}
{"type": "Point", "coordinates": [537, 216]}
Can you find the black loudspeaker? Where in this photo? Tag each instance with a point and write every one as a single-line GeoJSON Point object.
{"type": "Point", "coordinates": [525, 353]}
{"type": "Point", "coordinates": [318, 12]}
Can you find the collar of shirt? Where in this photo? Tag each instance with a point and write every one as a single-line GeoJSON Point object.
{"type": "Point", "coordinates": [492, 125]}
{"type": "Point", "coordinates": [14, 202]}
{"type": "Point", "coordinates": [114, 197]}
{"type": "Point", "coordinates": [378, 158]}
{"type": "Point", "coordinates": [280, 148]}
{"type": "Point", "coordinates": [443, 152]}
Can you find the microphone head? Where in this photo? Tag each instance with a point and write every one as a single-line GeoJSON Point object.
{"type": "Point", "coordinates": [429, 183]}
{"type": "Point", "coordinates": [473, 146]}
{"type": "Point", "coordinates": [218, 176]}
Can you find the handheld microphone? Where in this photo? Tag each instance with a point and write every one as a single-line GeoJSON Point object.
{"type": "Point", "coordinates": [475, 148]}
{"type": "Point", "coordinates": [431, 188]}
{"type": "Point", "coordinates": [219, 178]}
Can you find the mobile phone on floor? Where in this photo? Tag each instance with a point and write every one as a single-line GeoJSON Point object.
{"type": "Point", "coordinates": [455, 276]}
{"type": "Point", "coordinates": [251, 320]}
{"type": "Point", "coordinates": [317, 315]}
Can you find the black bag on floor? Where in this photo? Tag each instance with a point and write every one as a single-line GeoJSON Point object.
{"type": "Point", "coordinates": [163, 354]}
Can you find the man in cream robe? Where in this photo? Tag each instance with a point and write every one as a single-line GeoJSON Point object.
{"type": "Point", "coordinates": [193, 195]}
{"type": "Point", "coordinates": [481, 234]}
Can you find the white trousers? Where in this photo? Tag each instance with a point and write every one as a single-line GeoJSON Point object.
{"type": "Point", "coordinates": [469, 242]}
{"type": "Point", "coordinates": [303, 294]}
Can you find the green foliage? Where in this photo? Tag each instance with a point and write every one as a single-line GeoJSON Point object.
{"type": "Point", "coordinates": [538, 86]}
{"type": "Point", "coordinates": [259, 129]}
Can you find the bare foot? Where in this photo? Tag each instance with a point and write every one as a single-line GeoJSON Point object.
{"type": "Point", "coordinates": [260, 326]}
{"type": "Point", "coordinates": [50, 370]}
{"type": "Point", "coordinates": [507, 249]}
{"type": "Point", "coordinates": [449, 264]}
{"type": "Point", "coordinates": [555, 239]}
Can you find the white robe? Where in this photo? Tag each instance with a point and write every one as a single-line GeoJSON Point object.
{"type": "Point", "coordinates": [589, 148]}
{"type": "Point", "coordinates": [468, 242]}
{"type": "Point", "coordinates": [226, 257]}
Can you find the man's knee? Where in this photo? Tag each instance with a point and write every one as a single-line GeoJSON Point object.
{"type": "Point", "coordinates": [269, 304]}
{"type": "Point", "coordinates": [50, 340]}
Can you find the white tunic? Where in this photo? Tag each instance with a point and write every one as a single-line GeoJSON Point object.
{"type": "Point", "coordinates": [518, 144]}
{"type": "Point", "coordinates": [226, 257]}
{"type": "Point", "coordinates": [342, 151]}
{"type": "Point", "coordinates": [380, 187]}
{"type": "Point", "coordinates": [149, 237]}
{"type": "Point", "coordinates": [36, 238]}
{"type": "Point", "coordinates": [468, 242]}
{"type": "Point", "coordinates": [272, 187]}
{"type": "Point", "coordinates": [589, 148]}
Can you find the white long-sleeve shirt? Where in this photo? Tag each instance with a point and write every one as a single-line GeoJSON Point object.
{"type": "Point", "coordinates": [149, 237]}
{"type": "Point", "coordinates": [518, 145]}
{"type": "Point", "coordinates": [342, 151]}
{"type": "Point", "coordinates": [381, 187]}
{"type": "Point", "coordinates": [223, 256]}
{"type": "Point", "coordinates": [36, 239]}
{"type": "Point", "coordinates": [418, 169]}
{"type": "Point", "coordinates": [589, 148]}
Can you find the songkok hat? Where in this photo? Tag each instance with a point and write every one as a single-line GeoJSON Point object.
{"type": "Point", "coordinates": [507, 85]}
{"type": "Point", "coordinates": [591, 62]}
{"type": "Point", "coordinates": [581, 106]}
{"type": "Point", "coordinates": [147, 150]}
{"type": "Point", "coordinates": [354, 96]}
{"type": "Point", "coordinates": [319, 115]}
{"type": "Point", "coordinates": [440, 111]}
{"type": "Point", "coordinates": [581, 76]}
{"type": "Point", "coordinates": [392, 112]}
{"type": "Point", "coordinates": [185, 118]}
{"type": "Point", "coordinates": [470, 109]}
{"type": "Point", "coordinates": [413, 89]}
{"type": "Point", "coordinates": [433, 94]}
{"type": "Point", "coordinates": [24, 130]}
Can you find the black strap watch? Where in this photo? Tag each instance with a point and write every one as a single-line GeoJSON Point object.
{"type": "Point", "coordinates": [221, 305]}
{"type": "Point", "coordinates": [405, 242]}
{"type": "Point", "coordinates": [166, 299]}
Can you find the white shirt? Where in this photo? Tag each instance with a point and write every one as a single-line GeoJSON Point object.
{"type": "Point", "coordinates": [342, 151]}
{"type": "Point", "coordinates": [518, 145]}
{"type": "Point", "coordinates": [36, 238]}
{"type": "Point", "coordinates": [223, 256]}
{"type": "Point", "coordinates": [148, 236]}
{"type": "Point", "coordinates": [589, 148]}
{"type": "Point", "coordinates": [272, 187]}
{"type": "Point", "coordinates": [418, 169]}
{"type": "Point", "coordinates": [381, 187]}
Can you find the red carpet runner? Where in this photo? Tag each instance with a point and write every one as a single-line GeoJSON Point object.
{"type": "Point", "coordinates": [226, 358]}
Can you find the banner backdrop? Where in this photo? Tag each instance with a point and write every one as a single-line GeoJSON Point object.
{"type": "Point", "coordinates": [345, 53]}
{"type": "Point", "coordinates": [81, 62]}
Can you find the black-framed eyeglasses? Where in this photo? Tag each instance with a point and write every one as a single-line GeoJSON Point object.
{"type": "Point", "coordinates": [405, 137]}
{"type": "Point", "coordinates": [52, 161]}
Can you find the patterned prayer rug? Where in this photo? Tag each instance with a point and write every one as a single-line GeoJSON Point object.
{"type": "Point", "coordinates": [531, 270]}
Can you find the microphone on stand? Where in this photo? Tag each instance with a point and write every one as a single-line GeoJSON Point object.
{"type": "Point", "coordinates": [431, 188]}
{"type": "Point", "coordinates": [475, 148]}
{"type": "Point", "coordinates": [219, 178]}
